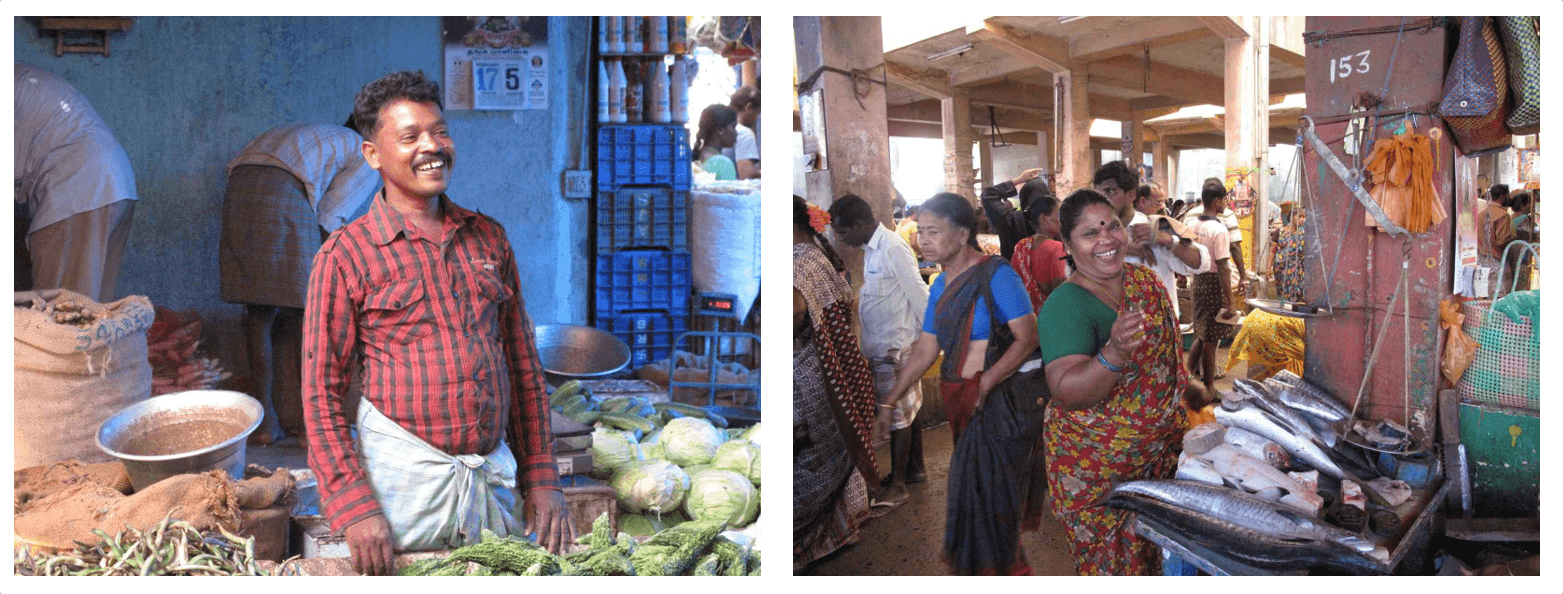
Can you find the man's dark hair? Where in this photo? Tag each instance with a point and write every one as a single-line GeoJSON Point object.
{"type": "Point", "coordinates": [1033, 190]}
{"type": "Point", "coordinates": [745, 96]}
{"type": "Point", "coordinates": [1499, 192]}
{"type": "Point", "coordinates": [851, 210]}
{"type": "Point", "coordinates": [1212, 190]}
{"type": "Point", "coordinates": [405, 84]}
{"type": "Point", "coordinates": [350, 125]}
{"type": "Point", "coordinates": [1122, 175]}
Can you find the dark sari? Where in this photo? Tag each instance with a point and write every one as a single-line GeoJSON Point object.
{"type": "Point", "coordinates": [992, 465]}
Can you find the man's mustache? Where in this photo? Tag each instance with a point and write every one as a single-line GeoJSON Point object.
{"type": "Point", "coordinates": [439, 155]}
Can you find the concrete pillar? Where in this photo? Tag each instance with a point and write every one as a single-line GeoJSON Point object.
{"type": "Point", "coordinates": [857, 141]}
{"type": "Point", "coordinates": [985, 162]}
{"type": "Point", "coordinates": [955, 112]}
{"type": "Point", "coordinates": [1171, 163]}
{"type": "Point", "coordinates": [1043, 155]}
{"type": "Point", "coordinates": [1073, 117]}
{"type": "Point", "coordinates": [1163, 174]}
{"type": "Point", "coordinates": [1247, 127]}
{"type": "Point", "coordinates": [1133, 143]}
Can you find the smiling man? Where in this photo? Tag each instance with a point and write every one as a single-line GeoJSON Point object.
{"type": "Point", "coordinates": [425, 294]}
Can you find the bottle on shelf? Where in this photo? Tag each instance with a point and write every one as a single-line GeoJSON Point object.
{"type": "Point", "coordinates": [603, 46]}
{"type": "Point", "coordinates": [604, 90]}
{"type": "Point", "coordinates": [678, 91]}
{"type": "Point", "coordinates": [615, 29]}
{"type": "Point", "coordinates": [634, 91]}
{"type": "Point", "coordinates": [616, 91]}
{"type": "Point", "coordinates": [657, 104]}
{"type": "Point", "coordinates": [634, 41]}
{"type": "Point", "coordinates": [657, 35]}
{"type": "Point", "coordinates": [678, 38]}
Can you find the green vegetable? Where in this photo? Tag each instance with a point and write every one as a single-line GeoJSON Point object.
{"type": "Point", "coordinates": [690, 441]}
{"type": "Point", "coordinates": [672, 551]}
{"type": "Point", "coordinates": [752, 434]}
{"type": "Point", "coordinates": [741, 457]}
{"type": "Point", "coordinates": [653, 485]}
{"type": "Point", "coordinates": [565, 390]}
{"type": "Point", "coordinates": [722, 495]}
{"type": "Point", "coordinates": [627, 422]}
{"type": "Point", "coordinates": [612, 450]}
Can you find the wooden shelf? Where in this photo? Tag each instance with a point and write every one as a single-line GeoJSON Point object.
{"type": "Point", "coordinates": [101, 25]}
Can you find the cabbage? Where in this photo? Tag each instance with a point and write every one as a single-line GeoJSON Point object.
{"type": "Point", "coordinates": [651, 485]}
{"type": "Point", "coordinates": [741, 457]}
{"type": "Point", "coordinates": [611, 450]}
{"type": "Point", "coordinates": [690, 441]}
{"type": "Point", "coordinates": [751, 434]}
{"type": "Point", "coordinates": [653, 451]}
{"type": "Point", "coordinates": [722, 495]}
{"type": "Point", "coordinates": [696, 469]}
{"type": "Point", "coordinates": [643, 525]}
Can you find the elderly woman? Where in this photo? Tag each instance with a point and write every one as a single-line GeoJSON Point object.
{"type": "Point", "coordinates": [832, 397]}
{"type": "Point", "coordinates": [980, 317]}
{"type": "Point", "coordinates": [1111, 346]}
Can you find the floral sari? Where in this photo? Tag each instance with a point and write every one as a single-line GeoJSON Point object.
{"type": "Point", "coordinates": [1130, 436]}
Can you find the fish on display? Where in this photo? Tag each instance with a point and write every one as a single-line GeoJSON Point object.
{"type": "Point", "coordinates": [1259, 447]}
{"type": "Point", "coordinates": [1307, 397]}
{"type": "Point", "coordinates": [1243, 415]}
{"type": "Point", "coordinates": [1246, 528]}
{"type": "Point", "coordinates": [1253, 475]}
{"type": "Point", "coordinates": [1257, 395]}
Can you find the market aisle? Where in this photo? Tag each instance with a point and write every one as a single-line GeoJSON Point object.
{"type": "Point", "coordinates": [908, 540]}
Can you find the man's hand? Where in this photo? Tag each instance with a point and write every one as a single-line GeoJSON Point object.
{"type": "Point", "coordinates": [1141, 251]}
{"type": "Point", "coordinates": [370, 543]}
{"type": "Point", "coordinates": [882, 422]}
{"type": "Point", "coordinates": [1027, 175]}
{"type": "Point", "coordinates": [550, 520]}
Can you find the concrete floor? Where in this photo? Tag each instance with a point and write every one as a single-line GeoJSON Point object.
{"type": "Point", "coordinates": [910, 539]}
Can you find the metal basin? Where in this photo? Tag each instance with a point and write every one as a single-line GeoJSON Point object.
{"type": "Point", "coordinates": [580, 351]}
{"type": "Point", "coordinates": [128, 430]}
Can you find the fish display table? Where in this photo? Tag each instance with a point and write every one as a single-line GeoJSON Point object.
{"type": "Point", "coordinates": [1183, 556]}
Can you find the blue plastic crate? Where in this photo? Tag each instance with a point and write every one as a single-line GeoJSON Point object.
{"type": "Point", "coordinates": [650, 334]}
{"type": "Point", "coordinates": [642, 218]}
{"type": "Point", "coordinates": [630, 280]}
{"type": "Point", "coordinates": [642, 155]}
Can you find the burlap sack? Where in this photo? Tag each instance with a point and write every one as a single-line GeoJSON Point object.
{"type": "Point", "coordinates": [71, 378]}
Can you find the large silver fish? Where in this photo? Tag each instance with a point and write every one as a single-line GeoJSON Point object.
{"type": "Point", "coordinates": [1243, 415]}
{"type": "Point", "coordinates": [1302, 395]}
{"type": "Point", "coordinates": [1241, 508]}
{"type": "Point", "coordinates": [1260, 396]}
{"type": "Point", "coordinates": [1246, 528]}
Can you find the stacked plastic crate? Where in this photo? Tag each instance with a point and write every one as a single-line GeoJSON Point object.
{"type": "Point", "coordinates": [642, 236]}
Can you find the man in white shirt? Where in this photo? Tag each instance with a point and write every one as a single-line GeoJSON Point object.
{"type": "Point", "coordinates": [746, 150]}
{"type": "Point", "coordinates": [288, 189]}
{"type": "Point", "coordinates": [1234, 239]}
{"type": "Point", "coordinates": [75, 180]}
{"type": "Point", "coordinates": [891, 307]}
{"type": "Point", "coordinates": [1171, 242]}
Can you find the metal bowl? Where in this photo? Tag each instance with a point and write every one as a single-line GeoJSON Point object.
{"type": "Point", "coordinates": [580, 351]}
{"type": "Point", "coordinates": [117, 433]}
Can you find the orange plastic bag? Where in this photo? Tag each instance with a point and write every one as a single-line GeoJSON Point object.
{"type": "Point", "coordinates": [1459, 349]}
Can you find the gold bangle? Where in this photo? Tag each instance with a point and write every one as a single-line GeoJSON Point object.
{"type": "Point", "coordinates": [886, 406]}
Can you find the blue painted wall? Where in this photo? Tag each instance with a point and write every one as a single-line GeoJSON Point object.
{"type": "Point", "coordinates": [184, 95]}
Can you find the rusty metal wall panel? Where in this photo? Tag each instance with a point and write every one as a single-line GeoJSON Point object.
{"type": "Point", "coordinates": [1369, 266]}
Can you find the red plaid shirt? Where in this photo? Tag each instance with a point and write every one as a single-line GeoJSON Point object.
{"type": "Point", "coordinates": [447, 349]}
